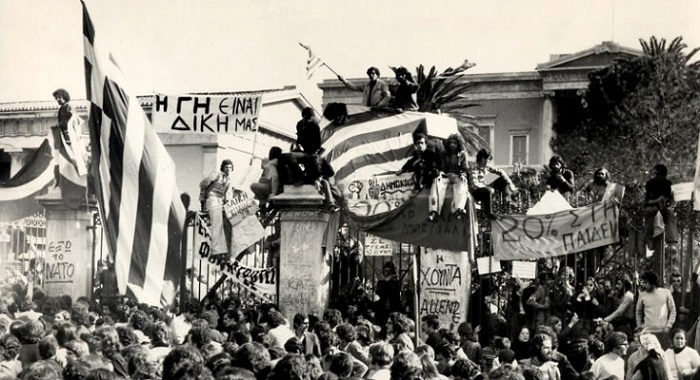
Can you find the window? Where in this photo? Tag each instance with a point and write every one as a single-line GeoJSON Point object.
{"type": "Point", "coordinates": [519, 149]}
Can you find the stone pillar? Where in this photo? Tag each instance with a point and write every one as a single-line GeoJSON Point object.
{"type": "Point", "coordinates": [547, 124]}
{"type": "Point", "coordinates": [68, 255]}
{"type": "Point", "coordinates": [304, 272]}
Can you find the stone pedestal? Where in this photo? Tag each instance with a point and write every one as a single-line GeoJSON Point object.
{"type": "Point", "coordinates": [68, 254]}
{"type": "Point", "coordinates": [304, 273]}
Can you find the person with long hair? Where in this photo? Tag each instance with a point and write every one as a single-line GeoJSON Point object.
{"type": "Point", "coordinates": [683, 361]}
{"type": "Point", "coordinates": [454, 175]}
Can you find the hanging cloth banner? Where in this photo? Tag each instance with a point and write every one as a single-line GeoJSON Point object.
{"type": "Point", "coordinates": [259, 281]}
{"type": "Point", "coordinates": [235, 114]}
{"type": "Point", "coordinates": [517, 237]}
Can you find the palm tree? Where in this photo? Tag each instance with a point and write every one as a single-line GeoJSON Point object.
{"type": "Point", "coordinates": [444, 93]}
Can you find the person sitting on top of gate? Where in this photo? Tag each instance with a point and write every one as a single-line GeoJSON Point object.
{"type": "Point", "coordinates": [424, 163]}
{"type": "Point", "coordinates": [479, 189]}
{"type": "Point", "coordinates": [454, 173]}
{"type": "Point", "coordinates": [269, 182]}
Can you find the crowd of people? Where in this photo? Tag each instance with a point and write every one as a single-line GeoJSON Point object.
{"type": "Point", "coordinates": [557, 332]}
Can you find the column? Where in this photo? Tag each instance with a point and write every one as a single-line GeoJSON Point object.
{"type": "Point", "coordinates": [547, 124]}
{"type": "Point", "coordinates": [304, 272]}
{"type": "Point", "coordinates": [68, 254]}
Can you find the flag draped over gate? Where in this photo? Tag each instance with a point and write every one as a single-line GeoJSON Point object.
{"type": "Point", "coordinates": [134, 179]}
{"type": "Point", "coordinates": [366, 150]}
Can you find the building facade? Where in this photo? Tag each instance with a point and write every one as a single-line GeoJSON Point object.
{"type": "Point", "coordinates": [25, 125]}
{"type": "Point", "coordinates": [517, 110]}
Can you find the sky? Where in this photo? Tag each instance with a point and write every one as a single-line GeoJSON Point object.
{"type": "Point", "coordinates": [179, 46]}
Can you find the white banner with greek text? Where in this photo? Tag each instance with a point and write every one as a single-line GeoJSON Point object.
{"type": "Point", "coordinates": [259, 281]}
{"type": "Point", "coordinates": [207, 114]}
{"type": "Point", "coordinates": [540, 236]}
{"type": "Point", "coordinates": [444, 285]}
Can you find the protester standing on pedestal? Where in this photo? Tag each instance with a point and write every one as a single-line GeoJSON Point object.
{"type": "Point", "coordinates": [214, 190]}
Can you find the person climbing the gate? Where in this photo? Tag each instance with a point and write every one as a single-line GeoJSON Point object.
{"type": "Point", "coordinates": [479, 189]}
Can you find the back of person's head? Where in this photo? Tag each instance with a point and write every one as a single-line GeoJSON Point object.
{"type": "Point", "coordinates": [235, 373]}
{"type": "Point", "coordinates": [341, 364]}
{"type": "Point", "coordinates": [328, 341]}
{"type": "Point", "coordinates": [76, 370]}
{"type": "Point", "coordinates": [66, 332]}
{"type": "Point", "coordinates": [212, 318]}
{"type": "Point", "coordinates": [41, 370]}
{"type": "Point", "coordinates": [381, 354]}
{"type": "Point", "coordinates": [177, 357]}
{"type": "Point", "coordinates": [425, 349]}
{"type": "Point", "coordinates": [48, 346]}
{"type": "Point", "coordinates": [506, 356]}
{"type": "Point", "coordinates": [199, 336]}
{"type": "Point", "coordinates": [661, 169]}
{"type": "Point", "coordinates": [596, 348]}
{"type": "Point", "coordinates": [333, 317]}
{"type": "Point", "coordinates": [291, 367]}
{"type": "Point", "coordinates": [414, 374]}
{"type": "Point", "coordinates": [160, 335]}
{"type": "Point", "coordinates": [276, 352]}
{"type": "Point", "coordinates": [429, 367]}
{"type": "Point", "coordinates": [273, 318]}
{"type": "Point", "coordinates": [218, 362]}
{"type": "Point", "coordinates": [464, 369]}
{"type": "Point", "coordinates": [192, 371]}
{"type": "Point", "coordinates": [346, 332]}
{"type": "Point", "coordinates": [127, 336]}
{"type": "Point", "coordinates": [403, 362]}
{"type": "Point", "coordinates": [293, 346]}
{"type": "Point", "coordinates": [253, 356]}
{"type": "Point", "coordinates": [80, 314]}
{"type": "Point", "coordinates": [275, 152]}
{"type": "Point", "coordinates": [32, 332]}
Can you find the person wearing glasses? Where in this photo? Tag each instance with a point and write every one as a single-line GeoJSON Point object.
{"type": "Point", "coordinates": [308, 340]}
{"type": "Point", "coordinates": [612, 364]}
{"type": "Point", "coordinates": [375, 93]}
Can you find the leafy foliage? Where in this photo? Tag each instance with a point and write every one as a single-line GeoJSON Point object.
{"type": "Point", "coordinates": [637, 113]}
{"type": "Point", "coordinates": [444, 93]}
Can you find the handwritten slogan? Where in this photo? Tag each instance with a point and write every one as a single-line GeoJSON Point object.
{"type": "Point", "coordinates": [207, 114]}
{"type": "Point", "coordinates": [561, 233]}
{"type": "Point", "coordinates": [376, 246]}
{"type": "Point", "coordinates": [259, 281]}
{"type": "Point", "coordinates": [59, 264]}
{"type": "Point", "coordinates": [379, 194]}
{"type": "Point", "coordinates": [444, 285]}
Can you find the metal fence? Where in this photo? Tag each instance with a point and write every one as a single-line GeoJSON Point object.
{"type": "Point", "coordinates": [22, 248]}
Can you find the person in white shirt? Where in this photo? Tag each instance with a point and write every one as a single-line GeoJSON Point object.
{"type": "Point", "coordinates": [380, 356]}
{"type": "Point", "coordinates": [683, 361]}
{"type": "Point", "coordinates": [612, 364]}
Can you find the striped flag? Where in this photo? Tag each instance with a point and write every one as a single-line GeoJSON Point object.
{"type": "Point", "coordinates": [312, 63]}
{"type": "Point", "coordinates": [134, 180]}
{"type": "Point", "coordinates": [372, 143]}
{"type": "Point", "coordinates": [17, 196]}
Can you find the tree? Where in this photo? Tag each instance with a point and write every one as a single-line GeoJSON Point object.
{"type": "Point", "coordinates": [638, 112]}
{"type": "Point", "coordinates": [444, 93]}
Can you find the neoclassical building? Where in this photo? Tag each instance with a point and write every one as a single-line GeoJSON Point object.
{"type": "Point", "coordinates": [25, 125]}
{"type": "Point", "coordinates": [517, 110]}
